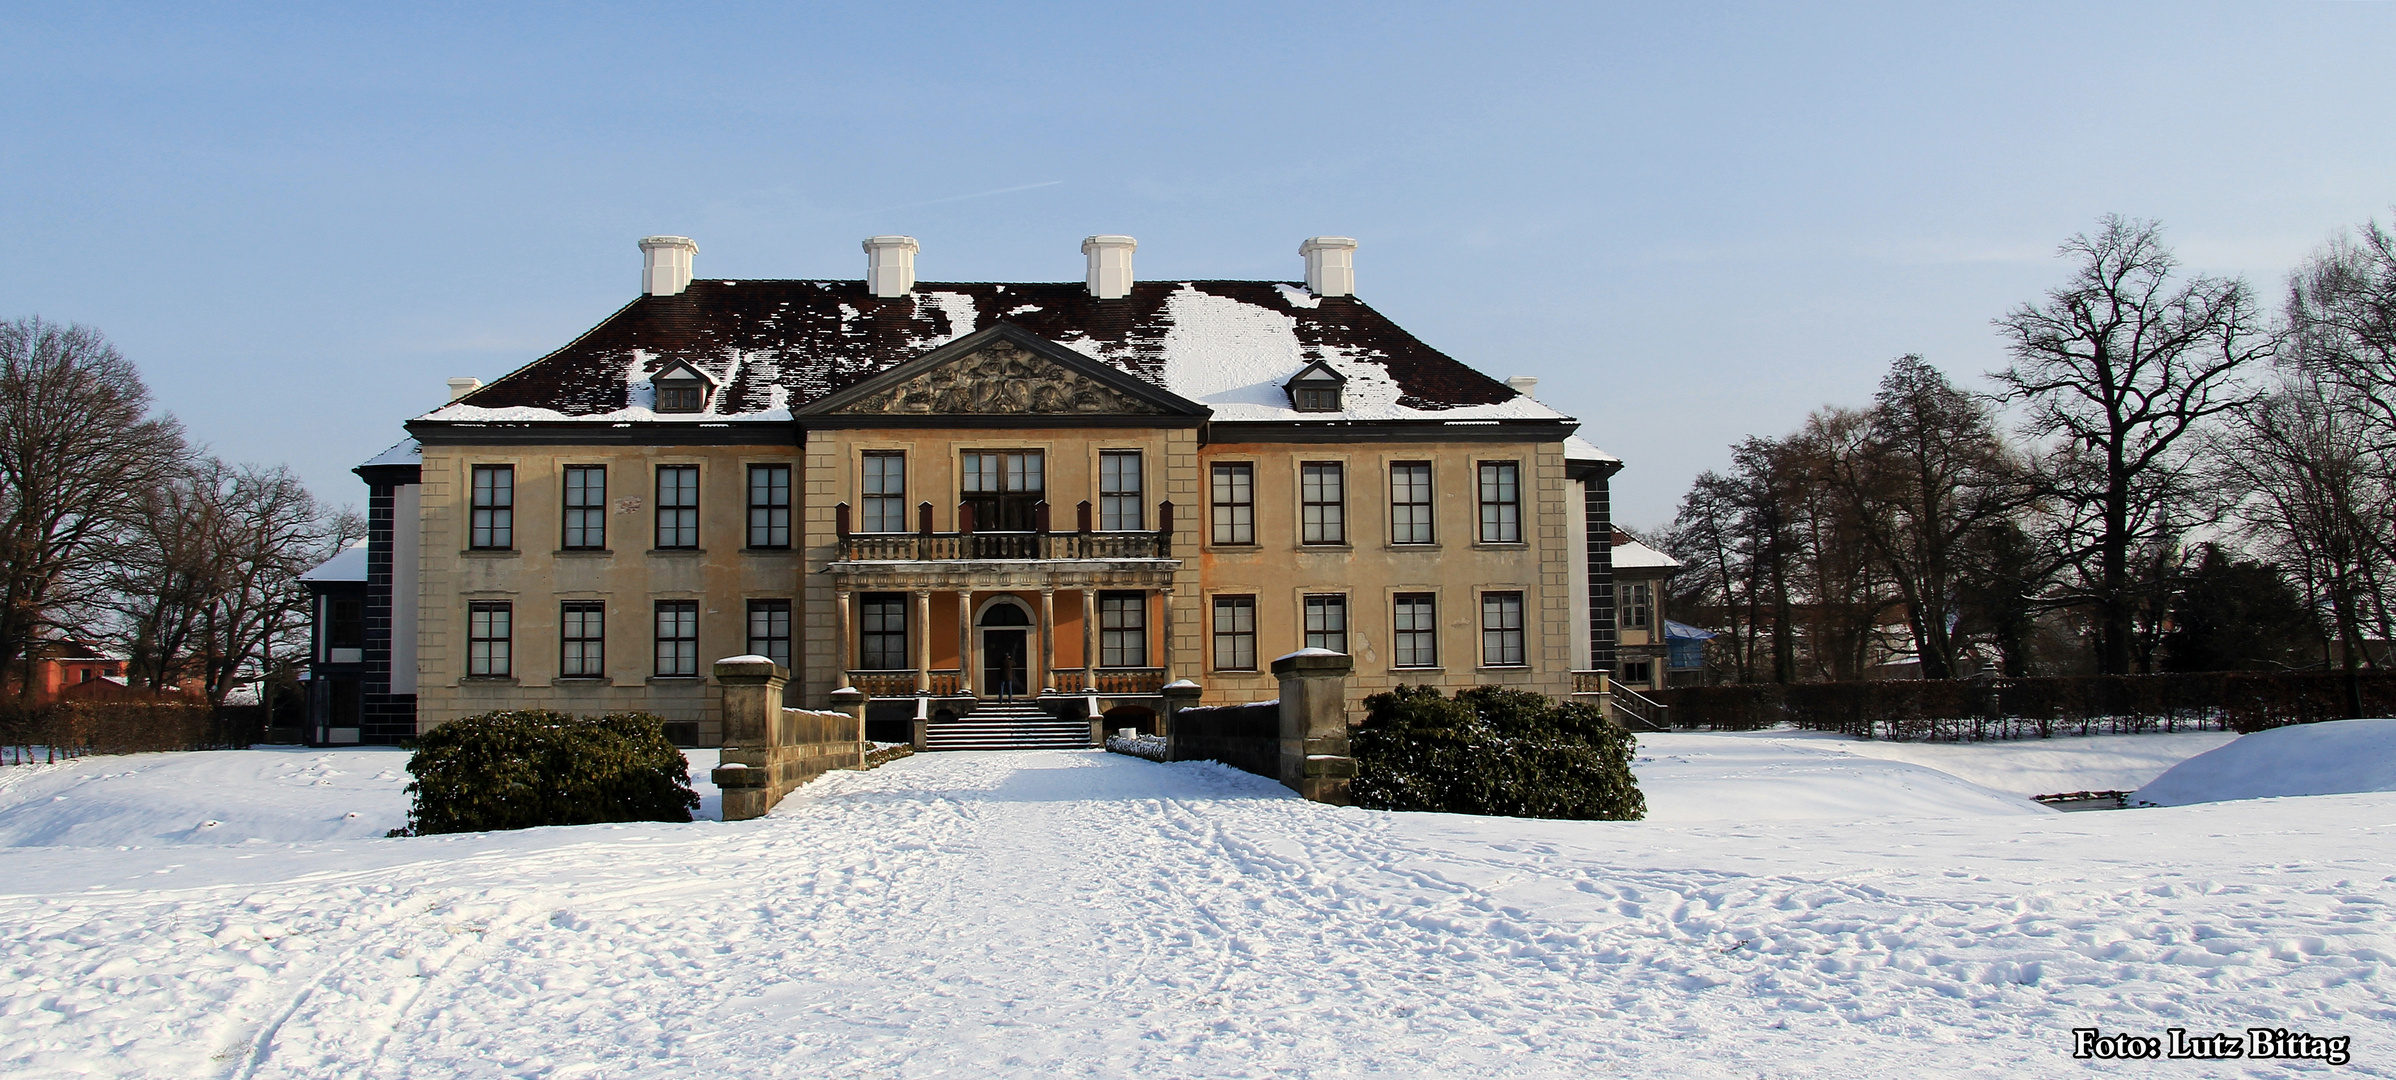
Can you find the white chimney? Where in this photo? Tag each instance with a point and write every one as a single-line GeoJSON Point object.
{"type": "Point", "coordinates": [666, 264]}
{"type": "Point", "coordinates": [1330, 265]}
{"type": "Point", "coordinates": [460, 387]}
{"type": "Point", "coordinates": [890, 264]}
{"type": "Point", "coordinates": [1523, 384]}
{"type": "Point", "coordinates": [1110, 265]}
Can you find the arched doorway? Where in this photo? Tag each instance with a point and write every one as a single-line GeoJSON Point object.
{"type": "Point", "coordinates": [1006, 649]}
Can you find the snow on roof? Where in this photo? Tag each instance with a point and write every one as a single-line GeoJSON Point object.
{"type": "Point", "coordinates": [1577, 448]}
{"type": "Point", "coordinates": [348, 565]}
{"type": "Point", "coordinates": [1637, 556]}
{"type": "Point", "coordinates": [771, 346]}
{"type": "Point", "coordinates": [405, 452]}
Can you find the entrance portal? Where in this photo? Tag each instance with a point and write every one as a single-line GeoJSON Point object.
{"type": "Point", "coordinates": [1006, 650]}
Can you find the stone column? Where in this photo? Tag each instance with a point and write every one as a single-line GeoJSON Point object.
{"type": "Point", "coordinates": [965, 672]}
{"type": "Point", "coordinates": [843, 624]}
{"type": "Point", "coordinates": [1164, 605]}
{"type": "Point", "coordinates": [923, 641]}
{"type": "Point", "coordinates": [1315, 760]}
{"type": "Point", "coordinates": [1048, 638]}
{"type": "Point", "coordinates": [1090, 640]}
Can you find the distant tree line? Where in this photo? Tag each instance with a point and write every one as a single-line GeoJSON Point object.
{"type": "Point", "coordinates": [115, 529]}
{"type": "Point", "coordinates": [2168, 478]}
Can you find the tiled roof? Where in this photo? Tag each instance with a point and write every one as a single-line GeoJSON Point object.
{"type": "Point", "coordinates": [772, 345]}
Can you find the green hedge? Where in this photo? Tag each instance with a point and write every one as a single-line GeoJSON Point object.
{"type": "Point", "coordinates": [1493, 751]}
{"type": "Point", "coordinates": [516, 770]}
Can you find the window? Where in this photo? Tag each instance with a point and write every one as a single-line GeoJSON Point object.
{"type": "Point", "coordinates": [1002, 489]}
{"type": "Point", "coordinates": [346, 626]}
{"type": "Point", "coordinates": [494, 524]}
{"type": "Point", "coordinates": [883, 488]}
{"type": "Point", "coordinates": [1119, 491]}
{"type": "Point", "coordinates": [769, 630]}
{"type": "Point", "coordinates": [1638, 672]}
{"type": "Point", "coordinates": [882, 631]}
{"type": "Point", "coordinates": [1501, 503]}
{"type": "Point", "coordinates": [1235, 503]}
{"type": "Point", "coordinates": [1410, 502]}
{"type": "Point", "coordinates": [1327, 622]}
{"type": "Point", "coordinates": [582, 639]}
{"type": "Point", "coordinates": [1414, 626]}
{"type": "Point", "coordinates": [678, 506]}
{"type": "Point", "coordinates": [1501, 629]}
{"type": "Point", "coordinates": [769, 506]}
{"type": "Point", "coordinates": [680, 390]}
{"type": "Point", "coordinates": [488, 637]}
{"type": "Point", "coordinates": [1123, 629]}
{"type": "Point", "coordinates": [1636, 603]}
{"type": "Point", "coordinates": [1322, 398]}
{"type": "Point", "coordinates": [586, 507]}
{"type": "Point", "coordinates": [677, 638]}
{"type": "Point", "coordinates": [1322, 498]}
{"type": "Point", "coordinates": [1235, 633]}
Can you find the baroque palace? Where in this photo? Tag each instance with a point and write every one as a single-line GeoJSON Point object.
{"type": "Point", "coordinates": [968, 500]}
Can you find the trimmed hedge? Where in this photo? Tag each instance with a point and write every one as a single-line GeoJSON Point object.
{"type": "Point", "coordinates": [75, 728]}
{"type": "Point", "coordinates": [1974, 709]}
{"type": "Point", "coordinates": [1493, 751]}
{"type": "Point", "coordinates": [520, 769]}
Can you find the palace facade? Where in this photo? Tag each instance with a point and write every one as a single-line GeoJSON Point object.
{"type": "Point", "coordinates": [961, 496]}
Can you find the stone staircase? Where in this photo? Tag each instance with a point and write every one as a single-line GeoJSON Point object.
{"type": "Point", "coordinates": [1008, 725]}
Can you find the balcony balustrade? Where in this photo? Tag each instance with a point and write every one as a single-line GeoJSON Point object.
{"type": "Point", "coordinates": [966, 544]}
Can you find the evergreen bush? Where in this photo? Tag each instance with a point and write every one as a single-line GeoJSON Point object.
{"type": "Point", "coordinates": [519, 769]}
{"type": "Point", "coordinates": [1493, 751]}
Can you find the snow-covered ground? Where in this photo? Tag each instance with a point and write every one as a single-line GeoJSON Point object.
{"type": "Point", "coordinates": [1086, 914]}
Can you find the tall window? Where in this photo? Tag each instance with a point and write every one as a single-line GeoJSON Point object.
{"type": "Point", "coordinates": [1235, 633]}
{"type": "Point", "coordinates": [769, 630]}
{"type": "Point", "coordinates": [677, 506]}
{"type": "Point", "coordinates": [769, 506]}
{"type": "Point", "coordinates": [882, 631]}
{"type": "Point", "coordinates": [1636, 603]}
{"type": "Point", "coordinates": [1501, 503]}
{"type": "Point", "coordinates": [1410, 502]}
{"type": "Point", "coordinates": [1501, 629]}
{"type": "Point", "coordinates": [1119, 490]}
{"type": "Point", "coordinates": [883, 487]}
{"type": "Point", "coordinates": [1123, 629]}
{"type": "Point", "coordinates": [1322, 503]}
{"type": "Point", "coordinates": [489, 635]}
{"type": "Point", "coordinates": [677, 637]}
{"type": "Point", "coordinates": [1414, 626]}
{"type": "Point", "coordinates": [494, 525]}
{"type": "Point", "coordinates": [582, 639]}
{"type": "Point", "coordinates": [344, 629]}
{"type": "Point", "coordinates": [1002, 488]}
{"type": "Point", "coordinates": [586, 507]}
{"type": "Point", "coordinates": [1235, 502]}
{"type": "Point", "coordinates": [1327, 622]}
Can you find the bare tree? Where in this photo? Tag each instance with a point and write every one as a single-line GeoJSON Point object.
{"type": "Point", "coordinates": [1920, 476]}
{"type": "Point", "coordinates": [209, 588]}
{"type": "Point", "coordinates": [2342, 324]}
{"type": "Point", "coordinates": [79, 453]}
{"type": "Point", "coordinates": [2122, 365]}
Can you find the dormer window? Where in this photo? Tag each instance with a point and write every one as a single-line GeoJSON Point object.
{"type": "Point", "coordinates": [681, 389]}
{"type": "Point", "coordinates": [1315, 388]}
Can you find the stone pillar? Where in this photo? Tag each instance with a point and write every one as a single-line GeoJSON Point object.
{"type": "Point", "coordinates": [852, 702]}
{"type": "Point", "coordinates": [1315, 760]}
{"type": "Point", "coordinates": [1179, 695]}
{"type": "Point", "coordinates": [752, 705]}
{"type": "Point", "coordinates": [1605, 697]}
{"type": "Point", "coordinates": [1164, 604]}
{"type": "Point", "coordinates": [923, 641]}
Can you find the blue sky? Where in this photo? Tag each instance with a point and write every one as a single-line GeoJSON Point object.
{"type": "Point", "coordinates": [1692, 223]}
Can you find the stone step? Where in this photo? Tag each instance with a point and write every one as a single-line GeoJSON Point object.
{"type": "Point", "coordinates": [1031, 732]}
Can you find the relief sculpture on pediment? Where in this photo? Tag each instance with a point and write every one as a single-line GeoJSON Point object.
{"type": "Point", "coordinates": [1001, 379]}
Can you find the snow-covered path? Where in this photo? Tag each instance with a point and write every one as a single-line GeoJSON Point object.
{"type": "Point", "coordinates": [1080, 914]}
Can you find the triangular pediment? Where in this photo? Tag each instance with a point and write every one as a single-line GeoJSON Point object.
{"type": "Point", "coordinates": [681, 370]}
{"type": "Point", "coordinates": [1005, 371]}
